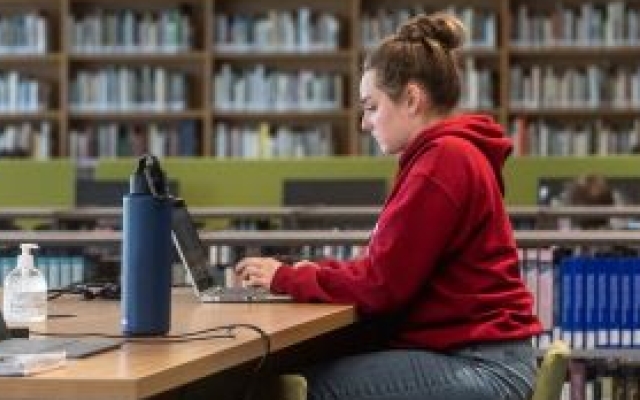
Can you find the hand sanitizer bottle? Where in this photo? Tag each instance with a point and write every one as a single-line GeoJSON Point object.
{"type": "Point", "coordinates": [25, 291]}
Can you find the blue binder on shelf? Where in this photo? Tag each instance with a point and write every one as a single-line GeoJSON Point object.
{"type": "Point", "coordinates": [602, 306]}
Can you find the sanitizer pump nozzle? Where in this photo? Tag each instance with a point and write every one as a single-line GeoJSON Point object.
{"type": "Point", "coordinates": [25, 259]}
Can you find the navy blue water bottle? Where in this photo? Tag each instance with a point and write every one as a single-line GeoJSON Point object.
{"type": "Point", "coordinates": [146, 252]}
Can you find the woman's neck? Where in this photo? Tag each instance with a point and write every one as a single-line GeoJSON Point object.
{"type": "Point", "coordinates": [425, 122]}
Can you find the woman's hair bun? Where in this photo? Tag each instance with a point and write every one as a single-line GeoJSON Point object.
{"type": "Point", "coordinates": [446, 29]}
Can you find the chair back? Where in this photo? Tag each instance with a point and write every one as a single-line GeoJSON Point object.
{"type": "Point", "coordinates": [285, 387]}
{"type": "Point", "coordinates": [552, 372]}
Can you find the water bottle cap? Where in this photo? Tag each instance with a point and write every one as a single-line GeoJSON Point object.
{"type": "Point", "coordinates": [148, 178]}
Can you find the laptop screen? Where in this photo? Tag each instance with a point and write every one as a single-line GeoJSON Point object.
{"type": "Point", "coordinates": [191, 250]}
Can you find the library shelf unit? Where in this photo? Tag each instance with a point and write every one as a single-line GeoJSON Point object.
{"type": "Point", "coordinates": [290, 217]}
{"type": "Point", "coordinates": [226, 245]}
{"type": "Point", "coordinates": [223, 78]}
{"type": "Point", "coordinates": [194, 45]}
{"type": "Point", "coordinates": [574, 77]}
{"type": "Point", "coordinates": [230, 78]}
{"type": "Point", "coordinates": [531, 239]}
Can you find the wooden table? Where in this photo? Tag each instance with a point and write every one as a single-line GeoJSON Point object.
{"type": "Point", "coordinates": [143, 370]}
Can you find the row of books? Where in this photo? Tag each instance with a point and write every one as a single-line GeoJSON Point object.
{"type": "Point", "coordinates": [564, 294]}
{"type": "Point", "coordinates": [127, 30]}
{"type": "Point", "coordinates": [613, 23]}
{"type": "Point", "coordinates": [480, 24]}
{"type": "Point", "coordinates": [60, 271]}
{"type": "Point", "coordinates": [260, 89]}
{"type": "Point", "coordinates": [535, 137]}
{"type": "Point", "coordinates": [120, 88]}
{"type": "Point", "coordinates": [268, 141]}
{"type": "Point", "coordinates": [227, 256]}
{"type": "Point", "coordinates": [300, 30]}
{"type": "Point", "coordinates": [591, 86]}
{"type": "Point", "coordinates": [20, 92]}
{"type": "Point", "coordinates": [537, 270]}
{"type": "Point", "coordinates": [587, 301]}
{"type": "Point", "coordinates": [223, 258]}
{"type": "Point", "coordinates": [478, 85]}
{"type": "Point", "coordinates": [598, 381]}
{"type": "Point", "coordinates": [27, 139]}
{"type": "Point", "coordinates": [598, 302]}
{"type": "Point", "coordinates": [121, 140]}
{"type": "Point", "coordinates": [541, 137]}
{"type": "Point", "coordinates": [129, 89]}
{"type": "Point", "coordinates": [24, 33]}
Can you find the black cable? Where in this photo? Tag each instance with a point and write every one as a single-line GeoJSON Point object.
{"type": "Point", "coordinates": [88, 290]}
{"type": "Point", "coordinates": [249, 390]}
{"type": "Point", "coordinates": [53, 294]}
{"type": "Point", "coordinates": [160, 339]}
{"type": "Point", "coordinates": [181, 338]}
{"type": "Point", "coordinates": [255, 373]}
{"type": "Point", "coordinates": [91, 290]}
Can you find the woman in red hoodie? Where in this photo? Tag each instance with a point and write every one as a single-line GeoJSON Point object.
{"type": "Point", "coordinates": [441, 267]}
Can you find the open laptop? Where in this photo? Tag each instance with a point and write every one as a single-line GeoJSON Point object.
{"type": "Point", "coordinates": [74, 347]}
{"type": "Point", "coordinates": [208, 287]}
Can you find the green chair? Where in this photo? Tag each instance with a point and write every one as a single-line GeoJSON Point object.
{"type": "Point", "coordinates": [548, 386]}
{"type": "Point", "coordinates": [552, 372]}
{"type": "Point", "coordinates": [285, 387]}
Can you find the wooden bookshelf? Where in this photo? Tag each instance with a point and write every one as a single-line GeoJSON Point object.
{"type": "Point", "coordinates": [67, 55]}
{"type": "Point", "coordinates": [590, 45]}
{"type": "Point", "coordinates": [201, 53]}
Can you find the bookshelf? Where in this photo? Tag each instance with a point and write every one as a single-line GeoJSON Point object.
{"type": "Point", "coordinates": [30, 79]}
{"type": "Point", "coordinates": [240, 79]}
{"type": "Point", "coordinates": [575, 77]}
{"type": "Point", "coordinates": [597, 362]}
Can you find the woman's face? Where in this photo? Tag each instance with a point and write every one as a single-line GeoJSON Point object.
{"type": "Point", "coordinates": [386, 120]}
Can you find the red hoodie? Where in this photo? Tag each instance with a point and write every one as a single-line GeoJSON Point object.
{"type": "Point", "coordinates": [442, 259]}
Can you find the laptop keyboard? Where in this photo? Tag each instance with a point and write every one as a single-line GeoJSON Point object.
{"type": "Point", "coordinates": [237, 293]}
{"type": "Point", "coordinates": [242, 295]}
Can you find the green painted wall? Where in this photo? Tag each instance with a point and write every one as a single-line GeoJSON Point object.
{"type": "Point", "coordinates": [521, 174]}
{"type": "Point", "coordinates": [205, 181]}
{"type": "Point", "coordinates": [37, 183]}
{"type": "Point", "coordinates": [259, 182]}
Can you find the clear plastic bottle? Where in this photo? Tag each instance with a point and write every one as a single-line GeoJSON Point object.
{"type": "Point", "coordinates": [25, 291]}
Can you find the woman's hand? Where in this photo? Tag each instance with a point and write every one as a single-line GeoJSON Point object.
{"type": "Point", "coordinates": [257, 271]}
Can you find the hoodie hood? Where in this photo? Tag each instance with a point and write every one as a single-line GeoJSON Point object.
{"type": "Point", "coordinates": [480, 130]}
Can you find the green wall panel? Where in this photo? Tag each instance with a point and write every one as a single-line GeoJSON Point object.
{"type": "Point", "coordinates": [210, 182]}
{"type": "Point", "coordinates": [521, 174]}
{"type": "Point", "coordinates": [258, 182]}
{"type": "Point", "coordinates": [26, 183]}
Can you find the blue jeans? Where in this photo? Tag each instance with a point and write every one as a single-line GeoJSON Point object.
{"type": "Point", "coordinates": [480, 372]}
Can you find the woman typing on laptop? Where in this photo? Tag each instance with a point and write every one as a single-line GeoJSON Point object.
{"type": "Point", "coordinates": [441, 262]}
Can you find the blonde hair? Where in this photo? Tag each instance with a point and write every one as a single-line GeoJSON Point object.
{"type": "Point", "coordinates": [421, 51]}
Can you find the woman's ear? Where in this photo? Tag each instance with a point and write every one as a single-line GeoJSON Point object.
{"type": "Point", "coordinates": [416, 99]}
